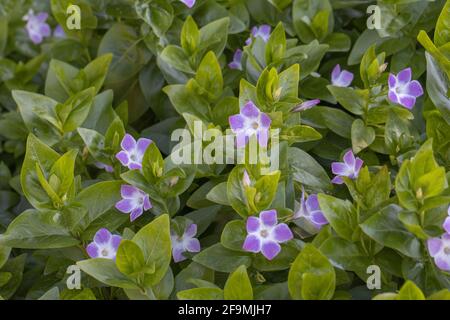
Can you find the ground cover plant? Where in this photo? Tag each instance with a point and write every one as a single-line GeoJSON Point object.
{"type": "Point", "coordinates": [118, 179]}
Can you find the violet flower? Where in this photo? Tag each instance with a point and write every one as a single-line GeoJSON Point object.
{"type": "Point", "coordinates": [185, 243]}
{"type": "Point", "coordinates": [134, 201]}
{"type": "Point", "coordinates": [262, 32]}
{"type": "Point", "coordinates": [439, 249]}
{"type": "Point", "coordinates": [265, 234]}
{"type": "Point", "coordinates": [349, 168]}
{"type": "Point", "coordinates": [251, 121]}
{"type": "Point", "coordinates": [37, 28]}
{"type": "Point", "coordinates": [104, 166]}
{"type": "Point", "coordinates": [105, 245]}
{"type": "Point", "coordinates": [402, 90]}
{"type": "Point", "coordinates": [237, 58]}
{"type": "Point", "coordinates": [310, 210]}
{"type": "Point", "coordinates": [306, 105]}
{"type": "Point", "coordinates": [246, 181]}
{"type": "Point", "coordinates": [59, 32]}
{"type": "Point", "coordinates": [447, 222]}
{"type": "Point", "coordinates": [189, 3]}
{"type": "Point", "coordinates": [340, 78]}
{"type": "Point", "coordinates": [132, 152]}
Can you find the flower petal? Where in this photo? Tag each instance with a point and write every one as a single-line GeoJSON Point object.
{"type": "Point", "coordinates": [404, 76]}
{"type": "Point", "coordinates": [115, 241]}
{"type": "Point", "coordinates": [193, 245]}
{"type": "Point", "coordinates": [312, 203]}
{"type": "Point", "coordinates": [434, 246]}
{"type": "Point", "coordinates": [282, 233]}
{"type": "Point", "coordinates": [414, 89]}
{"type": "Point", "coordinates": [393, 97]}
{"type": "Point", "coordinates": [270, 249]}
{"type": "Point", "coordinates": [335, 73]}
{"type": "Point", "coordinates": [337, 180]}
{"type": "Point", "coordinates": [122, 156]}
{"type": "Point", "coordinates": [189, 3]}
{"type": "Point", "coordinates": [136, 213]}
{"type": "Point", "coordinates": [92, 250]}
{"type": "Point", "coordinates": [191, 230]}
{"type": "Point", "coordinates": [442, 262]}
{"type": "Point", "coordinates": [142, 145]}
{"type": "Point", "coordinates": [253, 224]}
{"type": "Point", "coordinates": [128, 191]}
{"type": "Point", "coordinates": [268, 218]}
{"type": "Point", "coordinates": [103, 236]}
{"type": "Point", "coordinates": [147, 203]}
{"type": "Point", "coordinates": [125, 205]}
{"type": "Point", "coordinates": [339, 168]}
{"type": "Point", "coordinates": [345, 79]}
{"type": "Point", "coordinates": [263, 137]}
{"type": "Point", "coordinates": [128, 143]}
{"type": "Point", "coordinates": [237, 122]}
{"type": "Point", "coordinates": [250, 110]}
{"type": "Point", "coordinates": [177, 253]}
{"type": "Point", "coordinates": [318, 218]}
{"type": "Point", "coordinates": [392, 81]}
{"type": "Point", "coordinates": [265, 121]}
{"type": "Point", "coordinates": [252, 244]}
{"type": "Point", "coordinates": [349, 159]}
{"type": "Point", "coordinates": [447, 225]}
{"type": "Point", "coordinates": [407, 101]}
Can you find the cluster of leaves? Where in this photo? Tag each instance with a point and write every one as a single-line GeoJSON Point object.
{"type": "Point", "coordinates": [148, 67]}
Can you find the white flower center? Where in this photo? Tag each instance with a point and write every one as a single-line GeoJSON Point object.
{"type": "Point", "coordinates": [255, 125]}
{"type": "Point", "coordinates": [105, 252]}
{"type": "Point", "coordinates": [264, 233]}
{"type": "Point", "coordinates": [447, 251]}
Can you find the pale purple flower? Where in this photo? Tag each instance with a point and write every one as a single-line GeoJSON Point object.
{"type": "Point", "coordinates": [251, 121]}
{"type": "Point", "coordinates": [134, 201]}
{"type": "Point", "coordinates": [341, 78]}
{"type": "Point", "coordinates": [246, 181]}
{"type": "Point", "coordinates": [237, 58]}
{"type": "Point", "coordinates": [402, 90]}
{"type": "Point", "coordinates": [104, 166]}
{"type": "Point", "coordinates": [37, 28]}
{"type": "Point", "coordinates": [439, 249]}
{"type": "Point", "coordinates": [349, 168]}
{"type": "Point", "coordinates": [189, 3]}
{"type": "Point", "coordinates": [59, 32]}
{"type": "Point", "coordinates": [132, 151]}
{"type": "Point", "coordinates": [265, 234]}
{"type": "Point", "coordinates": [306, 105]}
{"type": "Point", "coordinates": [262, 32]}
{"type": "Point", "coordinates": [185, 243]}
{"type": "Point", "coordinates": [447, 222]}
{"type": "Point", "coordinates": [105, 245]}
{"type": "Point", "coordinates": [310, 210]}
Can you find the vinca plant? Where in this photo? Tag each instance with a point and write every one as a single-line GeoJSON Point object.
{"type": "Point", "coordinates": [224, 149]}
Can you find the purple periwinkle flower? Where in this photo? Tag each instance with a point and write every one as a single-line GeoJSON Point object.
{"type": "Point", "coordinates": [447, 222]}
{"type": "Point", "coordinates": [105, 245]}
{"type": "Point", "coordinates": [265, 234]}
{"type": "Point", "coordinates": [246, 181]}
{"type": "Point", "coordinates": [439, 249]}
{"type": "Point", "coordinates": [341, 78]}
{"type": "Point", "coordinates": [402, 90]}
{"type": "Point", "coordinates": [236, 63]}
{"type": "Point", "coordinates": [185, 243]}
{"type": "Point", "coordinates": [132, 152]}
{"type": "Point", "coordinates": [251, 121]}
{"type": "Point", "coordinates": [262, 32]}
{"type": "Point", "coordinates": [310, 210]}
{"type": "Point", "coordinates": [189, 3]}
{"type": "Point", "coordinates": [349, 168]}
{"type": "Point", "coordinates": [134, 201]}
{"type": "Point", "coordinates": [59, 32]}
{"type": "Point", "coordinates": [104, 166]}
{"type": "Point", "coordinates": [306, 105]}
{"type": "Point", "coordinates": [37, 27]}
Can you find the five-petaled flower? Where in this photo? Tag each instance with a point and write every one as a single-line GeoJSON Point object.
{"type": "Point", "coordinates": [251, 121]}
{"type": "Point", "coordinates": [189, 3]}
{"type": "Point", "coordinates": [134, 201]}
{"type": "Point", "coordinates": [237, 58]}
{"type": "Point", "coordinates": [402, 90]}
{"type": "Point", "coordinates": [439, 249]}
{"type": "Point", "coordinates": [185, 243]}
{"type": "Point", "coordinates": [265, 234]}
{"type": "Point", "coordinates": [349, 168]}
{"type": "Point", "coordinates": [310, 210]}
{"type": "Point", "coordinates": [262, 32]}
{"type": "Point", "coordinates": [37, 27]}
{"type": "Point", "coordinates": [341, 78]}
{"type": "Point", "coordinates": [104, 245]}
{"type": "Point", "coordinates": [132, 152]}
{"type": "Point", "coordinates": [306, 105]}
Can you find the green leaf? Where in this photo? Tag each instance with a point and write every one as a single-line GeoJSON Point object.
{"type": "Point", "coordinates": [190, 35]}
{"type": "Point", "coordinates": [438, 86]}
{"type": "Point", "coordinates": [213, 37]}
{"type": "Point", "coordinates": [238, 285]}
{"type": "Point", "coordinates": [385, 228]}
{"type": "Point", "coordinates": [15, 267]}
{"type": "Point", "coordinates": [82, 294]}
{"type": "Point", "coordinates": [233, 235]}
{"type": "Point", "coordinates": [276, 46]}
{"type": "Point", "coordinates": [129, 258]}
{"type": "Point", "coordinates": [311, 276]}
{"type": "Point", "coordinates": [442, 31]}
{"type": "Point", "coordinates": [354, 100]}
{"type": "Point", "coordinates": [177, 58]}
{"type": "Point", "coordinates": [201, 294]}
{"type": "Point", "coordinates": [341, 214]}
{"type": "Point", "coordinates": [209, 75]}
{"type": "Point", "coordinates": [362, 136]}
{"type": "Point", "coordinates": [37, 230]}
{"type": "Point", "coordinates": [410, 291]}
{"type": "Point", "coordinates": [154, 241]}
{"type": "Point", "coordinates": [221, 259]}
{"type": "Point", "coordinates": [105, 271]}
